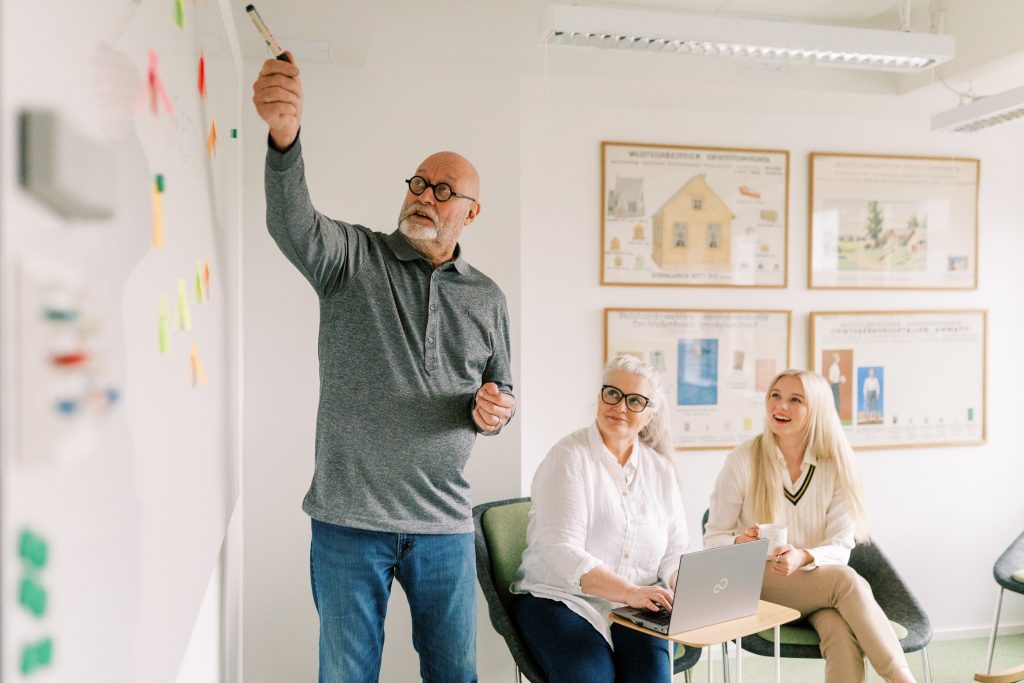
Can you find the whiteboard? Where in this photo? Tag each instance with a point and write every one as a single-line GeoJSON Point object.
{"type": "Point", "coordinates": [119, 350]}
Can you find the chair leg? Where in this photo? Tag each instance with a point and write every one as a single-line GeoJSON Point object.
{"type": "Point", "coordinates": [725, 662]}
{"type": "Point", "coordinates": [519, 678]}
{"type": "Point", "coordinates": [927, 665]}
{"type": "Point", "coordinates": [687, 676]}
{"type": "Point", "coordinates": [995, 628]}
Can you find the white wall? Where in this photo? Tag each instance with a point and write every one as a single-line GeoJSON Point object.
{"type": "Point", "coordinates": [942, 514]}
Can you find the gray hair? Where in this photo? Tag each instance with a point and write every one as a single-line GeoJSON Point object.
{"type": "Point", "coordinates": [657, 434]}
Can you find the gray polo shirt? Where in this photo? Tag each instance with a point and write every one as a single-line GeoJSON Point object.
{"type": "Point", "coordinates": [403, 349]}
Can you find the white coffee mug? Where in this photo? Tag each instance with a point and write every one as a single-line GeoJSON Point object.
{"type": "Point", "coordinates": [776, 535]}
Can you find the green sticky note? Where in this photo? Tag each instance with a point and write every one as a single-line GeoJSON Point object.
{"type": "Point", "coordinates": [32, 596]}
{"type": "Point", "coordinates": [199, 282]}
{"type": "Point", "coordinates": [159, 182]}
{"type": "Point", "coordinates": [32, 549]}
{"type": "Point", "coordinates": [36, 655]}
{"type": "Point", "coordinates": [234, 132]}
{"type": "Point", "coordinates": [970, 414]}
{"type": "Point", "coordinates": [179, 13]}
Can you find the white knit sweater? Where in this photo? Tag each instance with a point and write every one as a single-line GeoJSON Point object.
{"type": "Point", "coordinates": [815, 509]}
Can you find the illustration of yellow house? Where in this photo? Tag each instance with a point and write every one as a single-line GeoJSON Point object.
{"type": "Point", "coordinates": [693, 227]}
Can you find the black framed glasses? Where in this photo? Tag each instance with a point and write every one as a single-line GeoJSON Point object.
{"type": "Point", "coordinates": [635, 403]}
{"type": "Point", "coordinates": [442, 191]}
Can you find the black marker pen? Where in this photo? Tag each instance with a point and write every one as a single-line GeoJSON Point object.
{"type": "Point", "coordinates": [265, 32]}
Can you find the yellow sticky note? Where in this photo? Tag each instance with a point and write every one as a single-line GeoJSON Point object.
{"type": "Point", "coordinates": [196, 367]}
{"type": "Point", "coordinates": [184, 316]}
{"type": "Point", "coordinates": [158, 212]}
{"type": "Point", "coordinates": [199, 282]}
{"type": "Point", "coordinates": [163, 332]}
{"type": "Point", "coordinates": [211, 140]}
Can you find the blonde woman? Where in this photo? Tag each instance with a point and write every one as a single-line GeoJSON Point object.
{"type": "Point", "coordinates": [800, 473]}
{"type": "Point", "coordinates": [607, 528]}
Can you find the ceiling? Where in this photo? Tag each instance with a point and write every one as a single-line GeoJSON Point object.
{"type": "Point", "coordinates": [347, 27]}
{"type": "Point", "coordinates": [467, 34]}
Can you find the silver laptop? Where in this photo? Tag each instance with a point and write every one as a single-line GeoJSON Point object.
{"type": "Point", "coordinates": [714, 585]}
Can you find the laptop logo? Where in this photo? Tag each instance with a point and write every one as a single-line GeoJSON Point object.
{"type": "Point", "coordinates": [721, 586]}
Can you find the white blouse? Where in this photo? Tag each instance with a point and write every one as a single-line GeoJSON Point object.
{"type": "Point", "coordinates": [589, 511]}
{"type": "Point", "coordinates": [815, 510]}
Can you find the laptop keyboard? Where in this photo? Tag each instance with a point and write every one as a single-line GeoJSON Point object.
{"type": "Point", "coordinates": [662, 618]}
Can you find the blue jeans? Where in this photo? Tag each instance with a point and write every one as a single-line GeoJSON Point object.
{"type": "Point", "coordinates": [570, 650]}
{"type": "Point", "coordinates": [351, 571]}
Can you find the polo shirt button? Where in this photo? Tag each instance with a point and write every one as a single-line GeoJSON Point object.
{"type": "Point", "coordinates": [430, 340]}
{"type": "Point", "coordinates": [433, 307]}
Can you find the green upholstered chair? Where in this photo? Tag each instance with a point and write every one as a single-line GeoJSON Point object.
{"type": "Point", "coordinates": [500, 542]}
{"type": "Point", "coordinates": [1009, 574]}
{"type": "Point", "coordinates": [911, 624]}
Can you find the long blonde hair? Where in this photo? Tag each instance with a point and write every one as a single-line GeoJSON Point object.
{"type": "Point", "coordinates": [657, 434]}
{"type": "Point", "coordinates": [827, 441]}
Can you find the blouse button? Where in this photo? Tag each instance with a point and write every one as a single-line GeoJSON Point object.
{"type": "Point", "coordinates": [626, 556]}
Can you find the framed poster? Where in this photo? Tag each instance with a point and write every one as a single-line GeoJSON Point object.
{"type": "Point", "coordinates": [904, 378]}
{"type": "Point", "coordinates": [889, 222]}
{"type": "Point", "coordinates": [716, 366]}
{"type": "Point", "coordinates": [693, 216]}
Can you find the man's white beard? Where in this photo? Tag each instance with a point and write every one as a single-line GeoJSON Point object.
{"type": "Point", "coordinates": [418, 231]}
{"type": "Point", "coordinates": [415, 231]}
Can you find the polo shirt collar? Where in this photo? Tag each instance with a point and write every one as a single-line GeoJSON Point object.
{"type": "Point", "coordinates": [404, 252]}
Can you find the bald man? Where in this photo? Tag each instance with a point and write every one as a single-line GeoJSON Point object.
{"type": "Point", "coordinates": [414, 363]}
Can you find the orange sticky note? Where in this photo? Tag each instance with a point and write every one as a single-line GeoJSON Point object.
{"type": "Point", "coordinates": [211, 140]}
{"type": "Point", "coordinates": [158, 212]}
{"type": "Point", "coordinates": [206, 279]}
{"type": "Point", "coordinates": [202, 74]}
{"type": "Point", "coordinates": [196, 371]}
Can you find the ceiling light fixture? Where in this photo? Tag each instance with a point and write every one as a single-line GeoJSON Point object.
{"type": "Point", "coordinates": [752, 39]}
{"type": "Point", "coordinates": [982, 112]}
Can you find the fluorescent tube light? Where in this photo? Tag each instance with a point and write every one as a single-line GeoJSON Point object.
{"type": "Point", "coordinates": [982, 112]}
{"type": "Point", "coordinates": [763, 41]}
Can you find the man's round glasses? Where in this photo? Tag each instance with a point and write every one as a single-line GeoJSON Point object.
{"type": "Point", "coordinates": [635, 403]}
{"type": "Point", "coordinates": [442, 191]}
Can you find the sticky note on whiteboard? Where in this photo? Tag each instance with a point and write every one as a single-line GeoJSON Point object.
{"type": "Point", "coordinates": [63, 169]}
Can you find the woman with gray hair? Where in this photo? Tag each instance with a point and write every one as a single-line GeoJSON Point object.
{"type": "Point", "coordinates": [607, 528]}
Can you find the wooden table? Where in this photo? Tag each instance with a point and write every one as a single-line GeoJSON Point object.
{"type": "Point", "coordinates": [769, 615]}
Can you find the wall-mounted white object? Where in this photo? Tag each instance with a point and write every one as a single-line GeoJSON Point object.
{"type": "Point", "coordinates": [62, 168]}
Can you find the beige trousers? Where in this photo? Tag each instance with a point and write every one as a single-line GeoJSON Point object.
{"type": "Point", "coordinates": [839, 604]}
